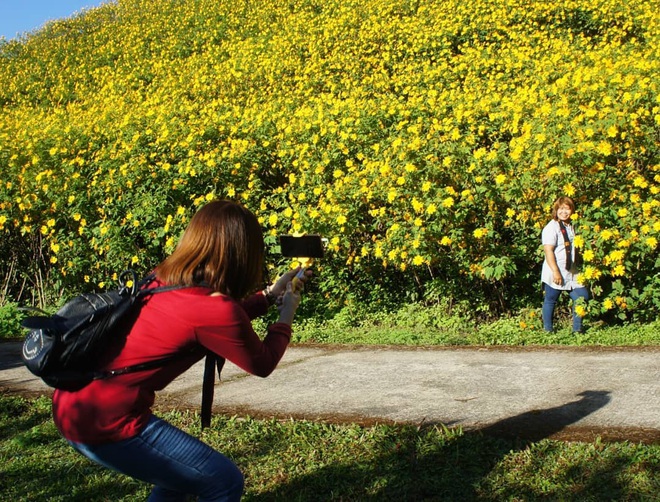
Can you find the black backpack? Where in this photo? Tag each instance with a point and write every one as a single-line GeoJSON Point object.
{"type": "Point", "coordinates": [64, 349]}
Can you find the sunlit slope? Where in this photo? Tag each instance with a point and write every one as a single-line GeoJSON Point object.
{"type": "Point", "coordinates": [424, 137]}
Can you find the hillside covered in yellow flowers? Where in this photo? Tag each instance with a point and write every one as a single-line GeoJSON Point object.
{"type": "Point", "coordinates": [425, 139]}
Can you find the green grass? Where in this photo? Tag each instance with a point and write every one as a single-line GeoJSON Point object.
{"type": "Point", "coordinates": [308, 461]}
{"type": "Point", "coordinates": [417, 324]}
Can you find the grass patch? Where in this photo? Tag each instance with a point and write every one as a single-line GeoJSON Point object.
{"type": "Point", "coordinates": [417, 324]}
{"type": "Point", "coordinates": [308, 461]}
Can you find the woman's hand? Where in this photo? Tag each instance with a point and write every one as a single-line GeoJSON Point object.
{"type": "Point", "coordinates": [279, 286]}
{"type": "Point", "coordinates": [288, 303]}
{"type": "Point", "coordinates": [557, 278]}
{"type": "Point", "coordinates": [549, 251]}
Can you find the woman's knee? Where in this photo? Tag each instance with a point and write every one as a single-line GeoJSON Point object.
{"type": "Point", "coordinates": [223, 482]}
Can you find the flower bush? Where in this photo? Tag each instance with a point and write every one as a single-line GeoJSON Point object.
{"type": "Point", "coordinates": [425, 139]}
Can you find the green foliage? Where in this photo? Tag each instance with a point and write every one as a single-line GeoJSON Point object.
{"type": "Point", "coordinates": [10, 321]}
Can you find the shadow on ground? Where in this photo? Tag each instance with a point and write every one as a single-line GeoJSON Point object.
{"type": "Point", "coordinates": [455, 469]}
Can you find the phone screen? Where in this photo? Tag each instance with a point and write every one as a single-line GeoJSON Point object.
{"type": "Point", "coordinates": [304, 246]}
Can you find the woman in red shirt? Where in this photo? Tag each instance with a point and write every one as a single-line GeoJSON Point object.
{"type": "Point", "coordinates": [220, 257]}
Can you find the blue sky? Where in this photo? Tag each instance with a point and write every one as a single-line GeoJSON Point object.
{"type": "Point", "coordinates": [21, 16]}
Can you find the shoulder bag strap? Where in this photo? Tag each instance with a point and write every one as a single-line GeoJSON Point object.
{"type": "Point", "coordinates": [212, 362]}
{"type": "Point", "coordinates": [567, 246]}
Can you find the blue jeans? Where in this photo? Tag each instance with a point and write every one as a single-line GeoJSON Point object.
{"type": "Point", "coordinates": [550, 300]}
{"type": "Point", "coordinates": [176, 464]}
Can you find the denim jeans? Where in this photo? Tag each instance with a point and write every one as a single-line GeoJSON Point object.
{"type": "Point", "coordinates": [550, 300]}
{"type": "Point", "coordinates": [176, 464]}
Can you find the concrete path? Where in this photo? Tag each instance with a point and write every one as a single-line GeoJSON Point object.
{"type": "Point", "coordinates": [562, 393]}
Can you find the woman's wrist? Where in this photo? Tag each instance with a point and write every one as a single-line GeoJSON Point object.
{"type": "Point", "coordinates": [270, 297]}
{"type": "Point", "coordinates": [286, 316]}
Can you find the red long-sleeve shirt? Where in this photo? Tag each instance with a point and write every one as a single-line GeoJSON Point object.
{"type": "Point", "coordinates": [119, 407]}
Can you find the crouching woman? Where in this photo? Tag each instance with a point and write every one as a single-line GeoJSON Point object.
{"type": "Point", "coordinates": [218, 263]}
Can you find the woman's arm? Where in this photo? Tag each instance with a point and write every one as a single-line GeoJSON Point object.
{"type": "Point", "coordinates": [236, 340]}
{"type": "Point", "coordinates": [549, 251]}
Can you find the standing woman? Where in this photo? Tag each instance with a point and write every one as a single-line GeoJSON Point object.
{"type": "Point", "coordinates": [559, 267]}
{"type": "Point", "coordinates": [219, 261]}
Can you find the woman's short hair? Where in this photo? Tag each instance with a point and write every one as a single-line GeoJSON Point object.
{"type": "Point", "coordinates": [561, 201]}
{"type": "Point", "coordinates": [222, 248]}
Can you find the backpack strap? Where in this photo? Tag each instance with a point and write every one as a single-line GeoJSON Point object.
{"type": "Point", "coordinates": [157, 363]}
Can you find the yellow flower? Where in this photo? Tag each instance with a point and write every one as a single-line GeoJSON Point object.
{"type": "Point", "coordinates": [618, 271]}
{"type": "Point", "coordinates": [578, 241]}
{"type": "Point", "coordinates": [480, 232]}
{"type": "Point", "coordinates": [597, 203]}
{"type": "Point", "coordinates": [431, 209]}
{"type": "Point", "coordinates": [604, 148]}
{"type": "Point", "coordinates": [608, 304]}
{"type": "Point", "coordinates": [616, 255]}
{"type": "Point", "coordinates": [640, 182]}
{"type": "Point", "coordinates": [580, 310]}
{"type": "Point", "coordinates": [588, 255]}
{"type": "Point", "coordinates": [651, 242]}
{"type": "Point", "coordinates": [500, 178]}
{"type": "Point", "coordinates": [448, 202]}
{"type": "Point", "coordinates": [623, 212]}
{"type": "Point", "coordinates": [591, 272]}
{"type": "Point", "coordinates": [391, 195]}
{"type": "Point", "coordinates": [418, 260]}
{"type": "Point", "coordinates": [445, 241]}
{"type": "Point", "coordinates": [134, 260]}
{"type": "Point", "coordinates": [569, 189]}
{"type": "Point", "coordinates": [341, 219]}
{"type": "Point", "coordinates": [272, 219]}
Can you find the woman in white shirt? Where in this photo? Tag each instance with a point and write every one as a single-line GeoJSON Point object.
{"type": "Point", "coordinates": [559, 271]}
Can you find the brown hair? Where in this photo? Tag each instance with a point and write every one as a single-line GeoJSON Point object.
{"type": "Point", "coordinates": [560, 202]}
{"type": "Point", "coordinates": [222, 247]}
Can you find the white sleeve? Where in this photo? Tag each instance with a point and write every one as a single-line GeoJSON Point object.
{"type": "Point", "coordinates": [550, 236]}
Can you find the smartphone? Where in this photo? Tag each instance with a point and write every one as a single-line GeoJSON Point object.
{"type": "Point", "coordinates": [304, 246]}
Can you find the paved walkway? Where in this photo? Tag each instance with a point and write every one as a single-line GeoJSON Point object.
{"type": "Point", "coordinates": [563, 393]}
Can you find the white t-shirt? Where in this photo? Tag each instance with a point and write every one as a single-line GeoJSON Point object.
{"type": "Point", "coordinates": [552, 235]}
